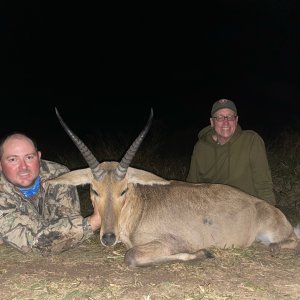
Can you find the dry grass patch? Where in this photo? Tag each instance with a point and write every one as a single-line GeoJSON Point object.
{"type": "Point", "coordinates": [94, 272]}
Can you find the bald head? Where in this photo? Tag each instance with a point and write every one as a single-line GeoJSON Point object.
{"type": "Point", "coordinates": [15, 137]}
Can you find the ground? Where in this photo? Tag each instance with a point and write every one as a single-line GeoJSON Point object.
{"type": "Point", "coordinates": [92, 271]}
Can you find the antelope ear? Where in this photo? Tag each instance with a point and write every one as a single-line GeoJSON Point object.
{"type": "Point", "coordinates": [137, 176]}
{"type": "Point", "coordinates": [77, 177]}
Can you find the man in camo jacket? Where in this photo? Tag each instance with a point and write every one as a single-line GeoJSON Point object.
{"type": "Point", "coordinates": [33, 216]}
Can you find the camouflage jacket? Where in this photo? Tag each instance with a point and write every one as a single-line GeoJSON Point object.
{"type": "Point", "coordinates": [48, 223]}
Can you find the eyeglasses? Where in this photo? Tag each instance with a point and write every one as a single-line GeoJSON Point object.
{"type": "Point", "coordinates": [222, 118]}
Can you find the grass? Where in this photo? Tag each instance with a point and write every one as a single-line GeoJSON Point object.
{"type": "Point", "coordinates": [284, 157]}
{"type": "Point", "coordinates": [91, 272]}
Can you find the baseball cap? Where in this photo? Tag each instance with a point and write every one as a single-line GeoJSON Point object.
{"type": "Point", "coordinates": [223, 103]}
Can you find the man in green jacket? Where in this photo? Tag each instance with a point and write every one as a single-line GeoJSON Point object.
{"type": "Point", "coordinates": [35, 217]}
{"type": "Point", "coordinates": [226, 154]}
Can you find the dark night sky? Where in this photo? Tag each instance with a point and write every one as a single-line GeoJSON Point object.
{"type": "Point", "coordinates": [178, 60]}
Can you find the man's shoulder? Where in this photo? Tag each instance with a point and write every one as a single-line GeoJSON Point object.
{"type": "Point", "coordinates": [204, 131]}
{"type": "Point", "coordinates": [250, 133]}
{"type": "Point", "coordinates": [251, 136]}
{"type": "Point", "coordinates": [52, 169]}
{"type": "Point", "coordinates": [53, 165]}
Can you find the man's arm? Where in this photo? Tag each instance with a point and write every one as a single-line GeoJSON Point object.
{"type": "Point", "coordinates": [261, 171]}
{"type": "Point", "coordinates": [60, 228]}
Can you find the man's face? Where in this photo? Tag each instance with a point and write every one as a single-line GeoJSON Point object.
{"type": "Point", "coordinates": [20, 162]}
{"type": "Point", "coordinates": [224, 128]}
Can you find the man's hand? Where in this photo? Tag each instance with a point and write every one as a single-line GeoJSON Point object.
{"type": "Point", "coordinates": [95, 219]}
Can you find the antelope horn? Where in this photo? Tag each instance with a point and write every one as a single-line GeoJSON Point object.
{"type": "Point", "coordinates": [121, 170]}
{"type": "Point", "coordinates": [86, 153]}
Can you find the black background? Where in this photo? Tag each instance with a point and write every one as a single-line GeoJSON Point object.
{"type": "Point", "coordinates": [106, 66]}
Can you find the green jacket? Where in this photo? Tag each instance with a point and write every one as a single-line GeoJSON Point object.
{"type": "Point", "coordinates": [50, 223]}
{"type": "Point", "coordinates": [241, 162]}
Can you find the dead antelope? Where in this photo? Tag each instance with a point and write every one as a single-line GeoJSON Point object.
{"type": "Point", "coordinates": [162, 221]}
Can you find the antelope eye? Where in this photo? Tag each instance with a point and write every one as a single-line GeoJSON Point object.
{"type": "Point", "coordinates": [122, 194]}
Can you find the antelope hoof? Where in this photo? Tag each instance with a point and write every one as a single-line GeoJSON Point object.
{"type": "Point", "coordinates": [274, 248]}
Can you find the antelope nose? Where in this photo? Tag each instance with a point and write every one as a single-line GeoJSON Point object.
{"type": "Point", "coordinates": [108, 239]}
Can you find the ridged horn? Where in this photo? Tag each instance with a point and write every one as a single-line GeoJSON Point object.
{"type": "Point", "coordinates": [86, 153]}
{"type": "Point", "coordinates": [121, 170]}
